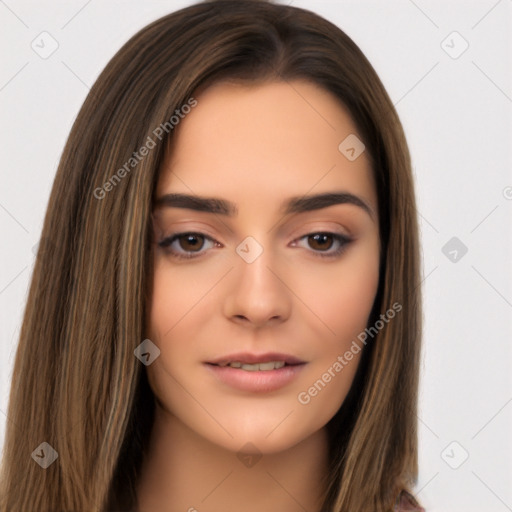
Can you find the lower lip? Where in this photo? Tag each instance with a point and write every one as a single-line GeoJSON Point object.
{"type": "Point", "coordinates": [261, 381]}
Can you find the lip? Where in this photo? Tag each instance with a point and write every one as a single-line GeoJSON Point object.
{"type": "Point", "coordinates": [249, 358]}
{"type": "Point", "coordinates": [261, 381]}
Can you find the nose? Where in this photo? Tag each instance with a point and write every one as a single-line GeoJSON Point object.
{"type": "Point", "coordinates": [258, 294]}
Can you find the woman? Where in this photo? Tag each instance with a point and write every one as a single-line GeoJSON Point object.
{"type": "Point", "coordinates": [225, 310]}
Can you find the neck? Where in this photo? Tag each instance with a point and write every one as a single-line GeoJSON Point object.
{"type": "Point", "coordinates": [183, 471]}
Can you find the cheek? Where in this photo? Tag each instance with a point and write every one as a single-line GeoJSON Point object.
{"type": "Point", "coordinates": [179, 293]}
{"type": "Point", "coordinates": [174, 294]}
{"type": "Point", "coordinates": [181, 308]}
{"type": "Point", "coordinates": [341, 293]}
{"type": "Point", "coordinates": [176, 321]}
{"type": "Point", "coordinates": [342, 297]}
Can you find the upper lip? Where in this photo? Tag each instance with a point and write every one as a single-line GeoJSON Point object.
{"type": "Point", "coordinates": [248, 358]}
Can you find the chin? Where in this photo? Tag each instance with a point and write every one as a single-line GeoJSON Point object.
{"type": "Point", "coordinates": [266, 434]}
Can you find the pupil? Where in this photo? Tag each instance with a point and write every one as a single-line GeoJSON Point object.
{"type": "Point", "coordinates": [320, 240]}
{"type": "Point", "coordinates": [192, 240]}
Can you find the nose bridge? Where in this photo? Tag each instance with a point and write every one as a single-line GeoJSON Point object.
{"type": "Point", "coordinates": [255, 261]}
{"type": "Point", "coordinates": [256, 257]}
{"type": "Point", "coordinates": [258, 294]}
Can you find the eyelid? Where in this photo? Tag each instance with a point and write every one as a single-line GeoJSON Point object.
{"type": "Point", "coordinates": [321, 226]}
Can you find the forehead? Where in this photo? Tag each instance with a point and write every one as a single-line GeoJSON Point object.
{"type": "Point", "coordinates": [265, 141]}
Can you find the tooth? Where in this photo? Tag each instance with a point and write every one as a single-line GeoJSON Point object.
{"type": "Point", "coordinates": [251, 367]}
{"type": "Point", "coordinates": [271, 365]}
{"type": "Point", "coordinates": [267, 366]}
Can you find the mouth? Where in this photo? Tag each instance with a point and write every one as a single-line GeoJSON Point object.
{"type": "Point", "coordinates": [257, 362]}
{"type": "Point", "coordinates": [256, 367]}
{"type": "Point", "coordinates": [256, 373]}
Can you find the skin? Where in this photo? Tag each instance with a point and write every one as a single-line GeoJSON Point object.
{"type": "Point", "coordinates": [256, 146]}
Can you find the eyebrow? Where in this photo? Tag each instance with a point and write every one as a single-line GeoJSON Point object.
{"type": "Point", "coordinates": [292, 205]}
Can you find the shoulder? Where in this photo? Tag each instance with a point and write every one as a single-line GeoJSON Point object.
{"type": "Point", "coordinates": [407, 503]}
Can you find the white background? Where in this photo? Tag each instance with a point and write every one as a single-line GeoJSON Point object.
{"type": "Point", "coordinates": [457, 114]}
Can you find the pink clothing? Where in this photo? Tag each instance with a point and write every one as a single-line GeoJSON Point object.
{"type": "Point", "coordinates": [407, 503]}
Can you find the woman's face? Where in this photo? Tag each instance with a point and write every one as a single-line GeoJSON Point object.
{"type": "Point", "coordinates": [261, 273]}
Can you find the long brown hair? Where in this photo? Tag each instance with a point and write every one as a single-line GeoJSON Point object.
{"type": "Point", "coordinates": [76, 383]}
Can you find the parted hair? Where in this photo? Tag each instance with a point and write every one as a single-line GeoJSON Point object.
{"type": "Point", "coordinates": [76, 383]}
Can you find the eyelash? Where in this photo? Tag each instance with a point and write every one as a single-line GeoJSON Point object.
{"type": "Point", "coordinates": [344, 241]}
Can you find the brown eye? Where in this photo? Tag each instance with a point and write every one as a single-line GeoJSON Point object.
{"type": "Point", "coordinates": [321, 241]}
{"type": "Point", "coordinates": [187, 245]}
{"type": "Point", "coordinates": [325, 244]}
{"type": "Point", "coordinates": [191, 242]}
